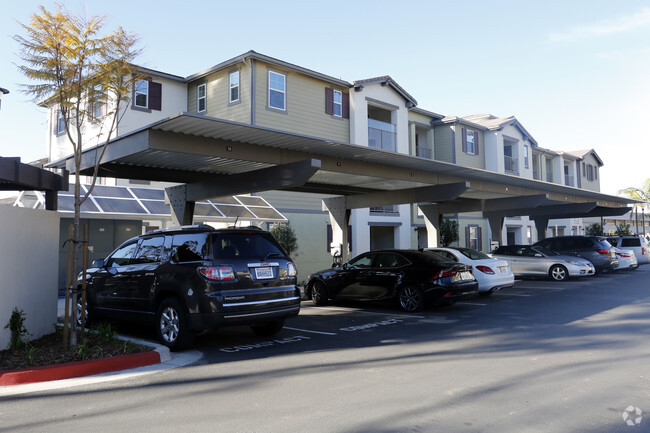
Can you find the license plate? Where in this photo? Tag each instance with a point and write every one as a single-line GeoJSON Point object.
{"type": "Point", "coordinates": [466, 276]}
{"type": "Point", "coordinates": [264, 273]}
{"type": "Point", "coordinates": [503, 269]}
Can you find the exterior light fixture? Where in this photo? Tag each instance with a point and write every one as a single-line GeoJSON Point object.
{"type": "Point", "coordinates": [2, 92]}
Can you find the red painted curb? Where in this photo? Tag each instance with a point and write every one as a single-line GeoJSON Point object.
{"type": "Point", "coordinates": [78, 369]}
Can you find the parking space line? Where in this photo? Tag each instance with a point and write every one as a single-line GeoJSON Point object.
{"type": "Point", "coordinates": [472, 303]}
{"type": "Point", "coordinates": [370, 312]}
{"type": "Point", "coordinates": [312, 332]}
{"type": "Point", "coordinates": [543, 288]}
{"type": "Point", "coordinates": [512, 294]}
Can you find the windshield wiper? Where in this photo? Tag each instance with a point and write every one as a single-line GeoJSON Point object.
{"type": "Point", "coordinates": [266, 257]}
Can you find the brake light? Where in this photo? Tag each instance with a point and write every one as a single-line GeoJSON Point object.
{"type": "Point", "coordinates": [218, 273]}
{"type": "Point", "coordinates": [485, 269]}
{"type": "Point", "coordinates": [602, 251]}
{"type": "Point", "coordinates": [643, 251]}
{"type": "Point", "coordinates": [444, 273]}
{"type": "Point", "coordinates": [291, 269]}
{"type": "Point", "coordinates": [624, 254]}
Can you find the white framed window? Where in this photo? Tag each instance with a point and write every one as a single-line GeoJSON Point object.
{"type": "Point", "coordinates": [201, 98]}
{"type": "Point", "coordinates": [338, 103]}
{"type": "Point", "coordinates": [471, 140]}
{"type": "Point", "coordinates": [526, 155]}
{"type": "Point", "coordinates": [233, 92]}
{"type": "Point", "coordinates": [60, 123]}
{"type": "Point", "coordinates": [97, 104]}
{"type": "Point", "coordinates": [142, 94]}
{"type": "Point", "coordinates": [277, 90]}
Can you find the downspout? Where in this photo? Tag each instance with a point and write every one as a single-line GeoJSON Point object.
{"type": "Point", "coordinates": [251, 69]}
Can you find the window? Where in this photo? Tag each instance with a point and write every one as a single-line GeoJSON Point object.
{"type": "Point", "coordinates": [337, 103]}
{"type": "Point", "coordinates": [473, 237]}
{"type": "Point", "coordinates": [147, 95]}
{"type": "Point", "coordinates": [364, 261]}
{"type": "Point", "coordinates": [149, 251]}
{"type": "Point", "coordinates": [234, 87]}
{"type": "Point", "coordinates": [142, 93]}
{"type": "Point", "coordinates": [189, 248]}
{"type": "Point", "coordinates": [201, 98]}
{"type": "Point", "coordinates": [59, 128]}
{"type": "Point", "coordinates": [526, 156]}
{"type": "Point", "coordinates": [590, 172]}
{"type": "Point", "coordinates": [122, 256]}
{"type": "Point", "coordinates": [470, 141]}
{"type": "Point", "coordinates": [277, 90]}
{"type": "Point", "coordinates": [96, 103]}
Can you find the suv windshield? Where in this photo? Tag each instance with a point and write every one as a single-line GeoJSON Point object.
{"type": "Point", "coordinates": [249, 245]}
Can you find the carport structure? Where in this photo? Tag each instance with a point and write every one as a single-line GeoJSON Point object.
{"type": "Point", "coordinates": [212, 157]}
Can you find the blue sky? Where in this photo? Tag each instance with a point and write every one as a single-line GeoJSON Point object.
{"type": "Point", "coordinates": [575, 73]}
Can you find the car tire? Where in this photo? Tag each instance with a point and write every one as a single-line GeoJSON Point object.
{"type": "Point", "coordinates": [89, 315]}
{"type": "Point", "coordinates": [319, 294]}
{"type": "Point", "coordinates": [558, 273]}
{"type": "Point", "coordinates": [486, 293]}
{"type": "Point", "coordinates": [410, 298]}
{"type": "Point", "coordinates": [268, 329]}
{"type": "Point", "coordinates": [171, 325]}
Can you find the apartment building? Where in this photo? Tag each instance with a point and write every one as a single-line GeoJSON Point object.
{"type": "Point", "coordinates": [273, 95]}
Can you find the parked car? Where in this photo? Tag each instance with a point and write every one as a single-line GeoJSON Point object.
{"type": "Point", "coordinates": [193, 278]}
{"type": "Point", "coordinates": [596, 249]}
{"type": "Point", "coordinates": [490, 273]}
{"type": "Point", "coordinates": [626, 259]}
{"type": "Point", "coordinates": [638, 244]}
{"type": "Point", "coordinates": [538, 261]}
{"type": "Point", "coordinates": [410, 277]}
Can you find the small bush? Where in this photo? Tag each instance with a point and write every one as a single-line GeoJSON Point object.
{"type": "Point", "coordinates": [17, 327]}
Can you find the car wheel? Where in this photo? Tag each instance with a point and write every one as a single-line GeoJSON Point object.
{"type": "Point", "coordinates": [171, 325]}
{"type": "Point", "coordinates": [319, 293]}
{"type": "Point", "coordinates": [89, 316]}
{"type": "Point", "coordinates": [410, 298]}
{"type": "Point", "coordinates": [558, 273]}
{"type": "Point", "coordinates": [268, 329]}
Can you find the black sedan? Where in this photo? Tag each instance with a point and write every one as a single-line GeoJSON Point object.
{"type": "Point", "coordinates": [411, 277]}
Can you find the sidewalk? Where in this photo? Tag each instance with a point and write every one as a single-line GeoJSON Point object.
{"type": "Point", "coordinates": [55, 377]}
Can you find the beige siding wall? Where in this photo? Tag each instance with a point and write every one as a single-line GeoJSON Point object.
{"type": "Point", "coordinates": [419, 118]}
{"type": "Point", "coordinates": [305, 113]}
{"type": "Point", "coordinates": [593, 185]}
{"type": "Point", "coordinates": [217, 92]}
{"type": "Point", "coordinates": [443, 139]}
{"type": "Point", "coordinates": [467, 159]}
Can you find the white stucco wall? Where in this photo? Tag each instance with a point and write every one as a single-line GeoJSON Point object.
{"type": "Point", "coordinates": [28, 269]}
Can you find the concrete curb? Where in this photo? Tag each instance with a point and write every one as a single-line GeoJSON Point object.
{"type": "Point", "coordinates": [68, 370]}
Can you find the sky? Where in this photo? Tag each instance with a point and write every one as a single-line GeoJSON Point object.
{"type": "Point", "coordinates": [576, 74]}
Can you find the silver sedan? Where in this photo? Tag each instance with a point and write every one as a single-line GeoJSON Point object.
{"type": "Point", "coordinates": [539, 261]}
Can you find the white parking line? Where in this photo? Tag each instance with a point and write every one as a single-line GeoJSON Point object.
{"type": "Point", "coordinates": [311, 332]}
{"type": "Point", "coordinates": [472, 303]}
{"type": "Point", "coordinates": [368, 312]}
{"type": "Point", "coordinates": [542, 288]}
{"type": "Point", "coordinates": [512, 294]}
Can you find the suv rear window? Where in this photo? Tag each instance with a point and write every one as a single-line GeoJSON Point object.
{"type": "Point", "coordinates": [631, 242]}
{"type": "Point", "coordinates": [249, 245]}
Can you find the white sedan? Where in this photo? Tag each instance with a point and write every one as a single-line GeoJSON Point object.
{"type": "Point", "coordinates": [491, 274]}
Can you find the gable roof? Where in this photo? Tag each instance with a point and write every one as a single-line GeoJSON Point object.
{"type": "Point", "coordinates": [267, 59]}
{"type": "Point", "coordinates": [581, 154]}
{"type": "Point", "coordinates": [493, 123]}
{"type": "Point", "coordinates": [386, 80]}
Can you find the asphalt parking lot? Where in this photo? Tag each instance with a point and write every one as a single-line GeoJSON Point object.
{"type": "Point", "coordinates": [540, 357]}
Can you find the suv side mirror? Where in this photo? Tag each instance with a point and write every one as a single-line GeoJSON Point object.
{"type": "Point", "coordinates": [99, 263]}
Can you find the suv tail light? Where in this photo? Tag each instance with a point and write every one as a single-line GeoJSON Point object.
{"type": "Point", "coordinates": [485, 269]}
{"type": "Point", "coordinates": [218, 273]}
{"type": "Point", "coordinates": [625, 254]}
{"type": "Point", "coordinates": [291, 269]}
{"type": "Point", "coordinates": [602, 251]}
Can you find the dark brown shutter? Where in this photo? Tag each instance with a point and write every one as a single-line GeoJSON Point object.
{"type": "Point", "coordinates": [330, 236]}
{"type": "Point", "coordinates": [464, 135]}
{"type": "Point", "coordinates": [155, 96]}
{"type": "Point", "coordinates": [329, 101]}
{"type": "Point", "coordinates": [345, 99]}
{"type": "Point", "coordinates": [479, 233]}
{"type": "Point", "coordinates": [468, 241]}
{"type": "Point", "coordinates": [476, 147]}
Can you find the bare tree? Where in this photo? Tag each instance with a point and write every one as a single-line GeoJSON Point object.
{"type": "Point", "coordinates": [85, 76]}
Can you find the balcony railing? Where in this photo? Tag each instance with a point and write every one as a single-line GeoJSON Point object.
{"type": "Point", "coordinates": [568, 180]}
{"type": "Point", "coordinates": [510, 165]}
{"type": "Point", "coordinates": [385, 210]}
{"type": "Point", "coordinates": [381, 135]}
{"type": "Point", "coordinates": [424, 152]}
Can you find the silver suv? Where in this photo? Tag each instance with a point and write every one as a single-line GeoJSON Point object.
{"type": "Point", "coordinates": [638, 244]}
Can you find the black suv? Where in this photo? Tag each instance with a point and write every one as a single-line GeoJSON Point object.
{"type": "Point", "coordinates": [193, 278]}
{"type": "Point", "coordinates": [596, 249]}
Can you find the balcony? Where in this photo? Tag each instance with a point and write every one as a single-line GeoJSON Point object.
{"type": "Point", "coordinates": [381, 135]}
{"type": "Point", "coordinates": [423, 152]}
{"type": "Point", "coordinates": [568, 180]}
{"type": "Point", "coordinates": [385, 210]}
{"type": "Point", "coordinates": [510, 165]}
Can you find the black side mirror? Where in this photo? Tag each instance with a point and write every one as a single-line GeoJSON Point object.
{"type": "Point", "coordinates": [99, 263]}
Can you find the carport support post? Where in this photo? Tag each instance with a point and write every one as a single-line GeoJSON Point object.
{"type": "Point", "coordinates": [182, 211]}
{"type": "Point", "coordinates": [496, 226]}
{"type": "Point", "coordinates": [432, 220]}
{"type": "Point", "coordinates": [340, 219]}
{"type": "Point", "coordinates": [541, 224]}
